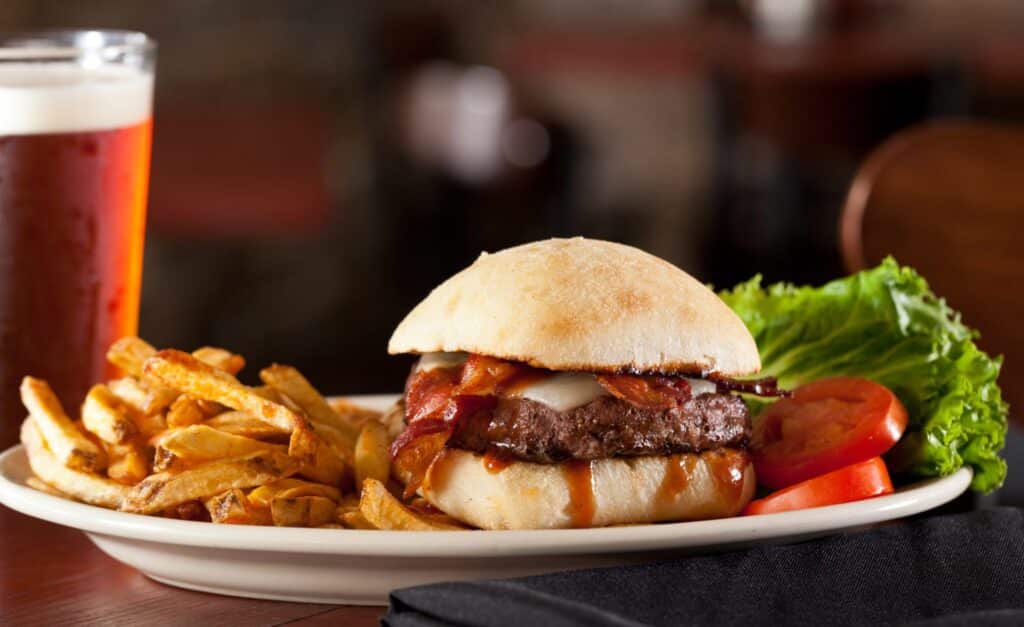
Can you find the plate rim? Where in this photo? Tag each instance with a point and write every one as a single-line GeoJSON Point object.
{"type": "Point", "coordinates": [915, 498]}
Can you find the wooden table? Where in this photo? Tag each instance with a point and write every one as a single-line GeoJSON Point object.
{"type": "Point", "coordinates": [52, 575]}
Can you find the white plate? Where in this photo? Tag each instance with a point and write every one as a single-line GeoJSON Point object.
{"type": "Point", "coordinates": [360, 567]}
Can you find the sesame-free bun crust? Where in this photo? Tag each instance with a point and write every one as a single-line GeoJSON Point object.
{"type": "Point", "coordinates": [581, 304]}
{"type": "Point", "coordinates": [625, 490]}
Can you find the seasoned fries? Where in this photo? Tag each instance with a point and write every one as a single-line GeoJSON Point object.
{"type": "Point", "coordinates": [129, 353]}
{"type": "Point", "coordinates": [234, 508]}
{"type": "Point", "coordinates": [143, 399]}
{"type": "Point", "coordinates": [186, 373]}
{"type": "Point", "coordinates": [220, 358]}
{"type": "Point", "coordinates": [301, 511]}
{"type": "Point", "coordinates": [355, 520]}
{"type": "Point", "coordinates": [372, 459]}
{"type": "Point", "coordinates": [202, 443]}
{"type": "Point", "coordinates": [180, 437]}
{"type": "Point", "coordinates": [106, 416]}
{"type": "Point", "coordinates": [184, 411]}
{"type": "Point", "coordinates": [290, 382]}
{"type": "Point", "coordinates": [67, 443]}
{"type": "Point", "coordinates": [241, 423]}
{"type": "Point", "coordinates": [163, 490]}
{"type": "Point", "coordinates": [151, 426]}
{"type": "Point", "coordinates": [382, 510]}
{"type": "Point", "coordinates": [326, 467]}
{"type": "Point", "coordinates": [128, 464]}
{"type": "Point", "coordinates": [263, 495]}
{"type": "Point", "coordinates": [84, 486]}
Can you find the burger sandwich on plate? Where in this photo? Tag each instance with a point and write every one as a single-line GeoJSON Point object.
{"type": "Point", "coordinates": [576, 383]}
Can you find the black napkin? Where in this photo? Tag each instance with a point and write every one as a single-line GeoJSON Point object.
{"type": "Point", "coordinates": [964, 569]}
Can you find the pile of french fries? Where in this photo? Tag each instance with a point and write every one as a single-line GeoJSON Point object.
{"type": "Point", "coordinates": [179, 436]}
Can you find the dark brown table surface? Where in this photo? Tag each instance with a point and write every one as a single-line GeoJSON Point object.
{"type": "Point", "coordinates": [53, 575]}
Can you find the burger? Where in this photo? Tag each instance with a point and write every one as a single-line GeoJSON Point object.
{"type": "Point", "coordinates": [576, 383]}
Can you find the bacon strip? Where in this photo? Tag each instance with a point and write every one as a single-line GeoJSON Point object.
{"type": "Point", "coordinates": [438, 399]}
{"type": "Point", "coordinates": [649, 392]}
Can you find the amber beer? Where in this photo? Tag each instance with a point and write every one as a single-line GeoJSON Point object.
{"type": "Point", "coordinates": [74, 168]}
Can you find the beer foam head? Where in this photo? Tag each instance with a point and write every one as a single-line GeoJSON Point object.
{"type": "Point", "coordinates": [66, 98]}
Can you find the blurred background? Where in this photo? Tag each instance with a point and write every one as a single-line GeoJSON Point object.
{"type": "Point", "coordinates": [318, 166]}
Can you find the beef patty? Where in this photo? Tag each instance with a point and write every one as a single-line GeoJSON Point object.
{"type": "Point", "coordinates": [606, 427]}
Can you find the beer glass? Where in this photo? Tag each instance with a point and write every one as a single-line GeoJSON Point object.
{"type": "Point", "coordinates": [75, 120]}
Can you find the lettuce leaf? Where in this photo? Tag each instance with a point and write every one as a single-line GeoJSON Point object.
{"type": "Point", "coordinates": [885, 324]}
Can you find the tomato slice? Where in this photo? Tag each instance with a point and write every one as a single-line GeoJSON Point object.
{"type": "Point", "coordinates": [825, 425]}
{"type": "Point", "coordinates": [859, 481]}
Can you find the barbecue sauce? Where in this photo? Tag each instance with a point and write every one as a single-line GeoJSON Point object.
{"type": "Point", "coordinates": [727, 468]}
{"type": "Point", "coordinates": [495, 462]}
{"type": "Point", "coordinates": [582, 503]}
{"type": "Point", "coordinates": [678, 470]}
{"type": "Point", "coordinates": [768, 386]}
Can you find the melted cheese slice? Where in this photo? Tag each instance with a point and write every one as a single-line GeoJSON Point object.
{"type": "Point", "coordinates": [564, 391]}
{"type": "Point", "coordinates": [431, 361]}
{"type": "Point", "coordinates": [702, 386]}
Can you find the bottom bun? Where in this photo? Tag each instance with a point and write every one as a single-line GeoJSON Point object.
{"type": "Point", "coordinates": [491, 494]}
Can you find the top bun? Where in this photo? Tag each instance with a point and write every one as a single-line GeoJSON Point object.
{"type": "Point", "coordinates": [581, 304]}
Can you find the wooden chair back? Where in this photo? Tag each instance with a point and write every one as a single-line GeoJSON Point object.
{"type": "Point", "coordinates": [948, 199]}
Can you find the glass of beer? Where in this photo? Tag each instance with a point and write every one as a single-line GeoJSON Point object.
{"type": "Point", "coordinates": [75, 123]}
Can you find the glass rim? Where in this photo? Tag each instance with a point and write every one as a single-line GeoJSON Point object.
{"type": "Point", "coordinates": [64, 44]}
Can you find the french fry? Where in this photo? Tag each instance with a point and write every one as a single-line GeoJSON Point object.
{"type": "Point", "coordinates": [203, 443]}
{"type": "Point", "coordinates": [105, 416]}
{"type": "Point", "coordinates": [132, 393]}
{"type": "Point", "coordinates": [151, 426]}
{"type": "Point", "coordinates": [232, 507]}
{"type": "Point", "coordinates": [89, 435]}
{"type": "Point", "coordinates": [210, 408]}
{"type": "Point", "coordinates": [66, 442]}
{"type": "Point", "coordinates": [327, 467]}
{"type": "Point", "coordinates": [186, 373]}
{"type": "Point", "coordinates": [302, 491]}
{"type": "Point", "coordinates": [355, 415]}
{"type": "Point", "coordinates": [301, 511]}
{"type": "Point", "coordinates": [263, 495]}
{"type": "Point", "coordinates": [179, 436]}
{"type": "Point", "coordinates": [160, 491]}
{"type": "Point", "coordinates": [184, 411]}
{"type": "Point", "coordinates": [355, 520]}
{"type": "Point", "coordinates": [290, 382]}
{"type": "Point", "coordinates": [129, 354]}
{"type": "Point", "coordinates": [128, 464]}
{"type": "Point", "coordinates": [85, 487]}
{"type": "Point", "coordinates": [372, 458]}
{"type": "Point", "coordinates": [219, 358]}
{"type": "Point", "coordinates": [337, 441]}
{"type": "Point", "coordinates": [164, 460]}
{"type": "Point", "coordinates": [382, 510]}
{"type": "Point", "coordinates": [267, 392]}
{"type": "Point", "coordinates": [347, 513]}
{"type": "Point", "coordinates": [241, 423]}
{"type": "Point", "coordinates": [348, 503]}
